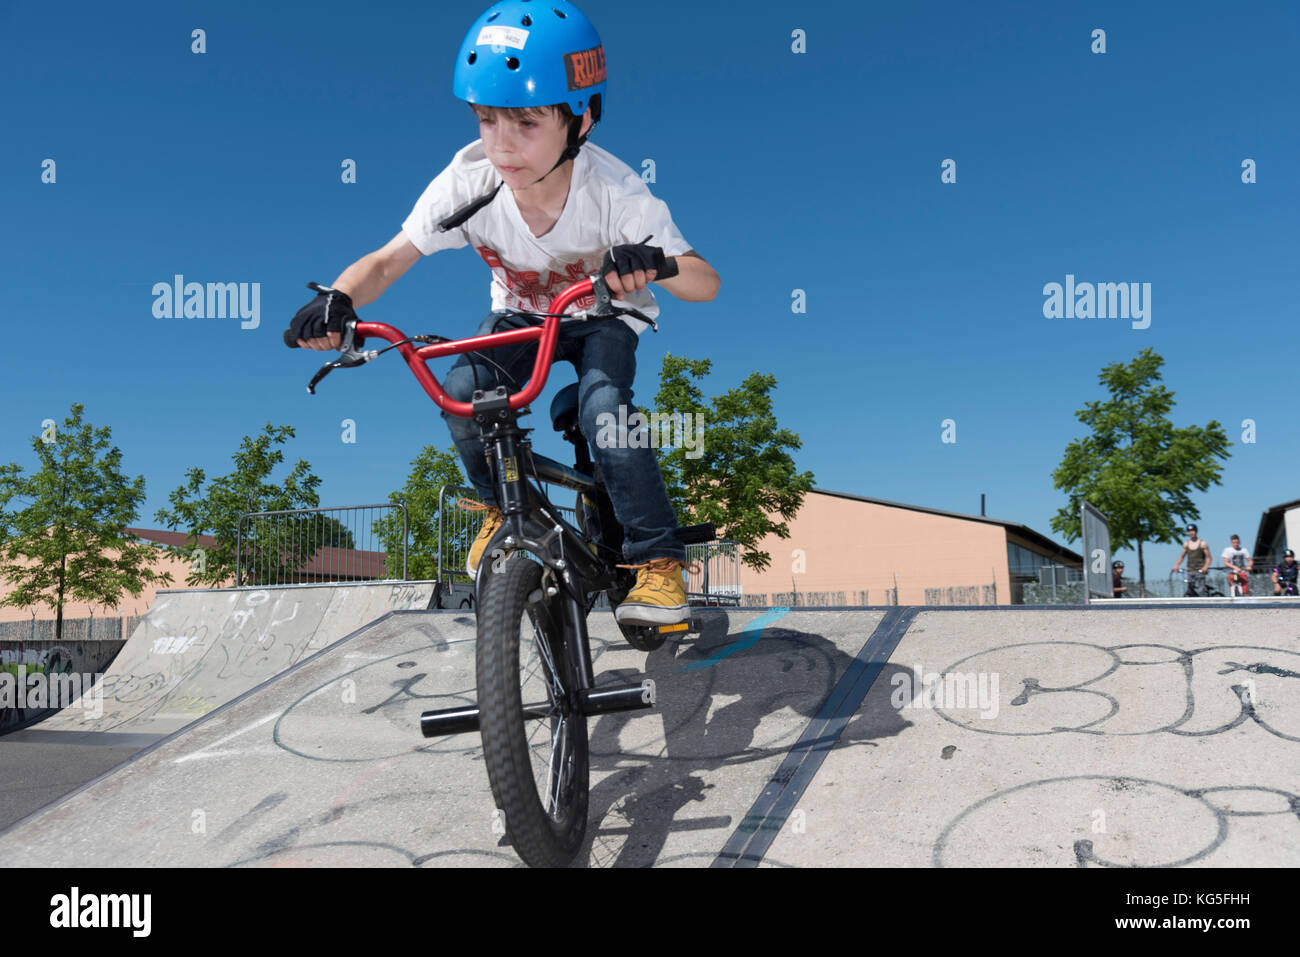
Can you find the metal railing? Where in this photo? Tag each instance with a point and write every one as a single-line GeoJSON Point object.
{"type": "Point", "coordinates": [458, 527]}
{"type": "Point", "coordinates": [1174, 585]}
{"type": "Point", "coordinates": [718, 580]}
{"type": "Point", "coordinates": [322, 545]}
{"type": "Point", "coordinates": [1260, 583]}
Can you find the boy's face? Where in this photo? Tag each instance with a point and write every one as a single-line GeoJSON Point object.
{"type": "Point", "coordinates": [523, 149]}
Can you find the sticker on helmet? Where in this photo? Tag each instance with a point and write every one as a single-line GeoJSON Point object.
{"type": "Point", "coordinates": [502, 36]}
{"type": "Point", "coordinates": [585, 68]}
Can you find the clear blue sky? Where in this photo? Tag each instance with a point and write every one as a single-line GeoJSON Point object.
{"type": "Point", "coordinates": [818, 171]}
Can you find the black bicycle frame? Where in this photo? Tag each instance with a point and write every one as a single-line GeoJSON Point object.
{"type": "Point", "coordinates": [557, 544]}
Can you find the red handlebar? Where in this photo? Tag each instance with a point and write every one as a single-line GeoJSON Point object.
{"type": "Point", "coordinates": [416, 357]}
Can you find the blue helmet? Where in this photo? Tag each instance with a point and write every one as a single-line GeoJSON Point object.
{"type": "Point", "coordinates": [524, 53]}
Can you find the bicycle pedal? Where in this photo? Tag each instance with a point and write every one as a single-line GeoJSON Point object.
{"type": "Point", "coordinates": [676, 630]}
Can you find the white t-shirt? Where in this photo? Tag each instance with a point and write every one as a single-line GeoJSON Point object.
{"type": "Point", "coordinates": [1237, 556]}
{"type": "Point", "coordinates": [608, 204]}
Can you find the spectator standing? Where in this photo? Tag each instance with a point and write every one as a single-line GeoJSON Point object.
{"type": "Point", "coordinates": [1197, 551]}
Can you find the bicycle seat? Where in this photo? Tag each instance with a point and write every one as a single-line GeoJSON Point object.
{"type": "Point", "coordinates": [564, 408]}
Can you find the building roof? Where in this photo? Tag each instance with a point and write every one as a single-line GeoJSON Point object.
{"type": "Point", "coordinates": [1268, 526]}
{"type": "Point", "coordinates": [327, 563]}
{"type": "Point", "coordinates": [1024, 531]}
{"type": "Point", "coordinates": [164, 537]}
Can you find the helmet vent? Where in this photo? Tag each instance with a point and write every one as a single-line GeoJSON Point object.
{"type": "Point", "coordinates": [527, 21]}
{"type": "Point", "coordinates": [559, 13]}
{"type": "Point", "coordinates": [472, 57]}
{"type": "Point", "coordinates": [493, 17]}
{"type": "Point", "coordinates": [513, 63]}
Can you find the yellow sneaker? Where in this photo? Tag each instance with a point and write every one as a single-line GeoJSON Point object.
{"type": "Point", "coordinates": [491, 522]}
{"type": "Point", "coordinates": [659, 597]}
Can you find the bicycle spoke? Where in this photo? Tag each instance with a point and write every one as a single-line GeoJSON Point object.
{"type": "Point", "coordinates": [555, 770]}
{"type": "Point", "coordinates": [549, 749]}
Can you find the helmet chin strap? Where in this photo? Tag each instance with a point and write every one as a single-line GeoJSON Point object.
{"type": "Point", "coordinates": [571, 150]}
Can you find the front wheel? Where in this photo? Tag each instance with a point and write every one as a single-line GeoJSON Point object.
{"type": "Point", "coordinates": [534, 742]}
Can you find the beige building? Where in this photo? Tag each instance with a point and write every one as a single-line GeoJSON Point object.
{"type": "Point", "coordinates": [851, 550]}
{"type": "Point", "coordinates": [130, 604]}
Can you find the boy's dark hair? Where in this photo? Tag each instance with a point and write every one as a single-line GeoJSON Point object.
{"type": "Point", "coordinates": [524, 112]}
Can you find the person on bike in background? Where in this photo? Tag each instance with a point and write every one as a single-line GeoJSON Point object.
{"type": "Point", "coordinates": [1117, 579]}
{"type": "Point", "coordinates": [1284, 575]}
{"type": "Point", "coordinates": [1197, 551]}
{"type": "Point", "coordinates": [534, 76]}
{"type": "Point", "coordinates": [1238, 563]}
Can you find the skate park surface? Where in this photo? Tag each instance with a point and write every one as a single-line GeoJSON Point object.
{"type": "Point", "coordinates": [1053, 737]}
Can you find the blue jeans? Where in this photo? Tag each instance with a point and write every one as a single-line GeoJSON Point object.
{"type": "Point", "coordinates": [604, 353]}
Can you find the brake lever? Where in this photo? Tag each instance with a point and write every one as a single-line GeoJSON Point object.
{"type": "Point", "coordinates": [348, 358]}
{"type": "Point", "coordinates": [605, 307]}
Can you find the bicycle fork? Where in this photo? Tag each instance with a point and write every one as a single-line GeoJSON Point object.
{"type": "Point", "coordinates": [584, 698]}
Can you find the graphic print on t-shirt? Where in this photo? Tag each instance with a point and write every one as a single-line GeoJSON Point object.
{"type": "Point", "coordinates": [607, 205]}
{"type": "Point", "coordinates": [1235, 556]}
{"type": "Point", "coordinates": [528, 292]}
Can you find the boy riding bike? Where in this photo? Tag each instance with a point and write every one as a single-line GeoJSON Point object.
{"type": "Point", "coordinates": [1285, 575]}
{"type": "Point", "coordinates": [1238, 563]}
{"type": "Point", "coordinates": [534, 75]}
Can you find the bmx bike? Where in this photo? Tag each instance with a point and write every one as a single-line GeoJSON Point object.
{"type": "Point", "coordinates": [1192, 592]}
{"type": "Point", "coordinates": [537, 581]}
{"type": "Point", "coordinates": [1235, 586]}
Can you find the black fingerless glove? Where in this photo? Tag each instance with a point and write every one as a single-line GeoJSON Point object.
{"type": "Point", "coordinates": [327, 313]}
{"type": "Point", "coordinates": [629, 257]}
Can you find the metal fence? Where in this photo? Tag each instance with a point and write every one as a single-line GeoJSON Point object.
{"type": "Point", "coordinates": [1056, 585]}
{"type": "Point", "coordinates": [322, 545]}
{"type": "Point", "coordinates": [718, 580]}
{"type": "Point", "coordinates": [1175, 585]}
{"type": "Point", "coordinates": [459, 526]}
{"type": "Point", "coordinates": [457, 529]}
{"type": "Point", "coordinates": [1171, 585]}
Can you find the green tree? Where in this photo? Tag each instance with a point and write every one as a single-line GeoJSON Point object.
{"type": "Point", "coordinates": [744, 472]}
{"type": "Point", "coordinates": [1135, 465]}
{"type": "Point", "coordinates": [69, 543]}
{"type": "Point", "coordinates": [430, 471]}
{"type": "Point", "coordinates": [216, 509]}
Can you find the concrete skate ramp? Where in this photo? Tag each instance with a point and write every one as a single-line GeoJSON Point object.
{"type": "Point", "coordinates": [193, 652]}
{"type": "Point", "coordinates": [1127, 736]}
{"type": "Point", "coordinates": [197, 649]}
